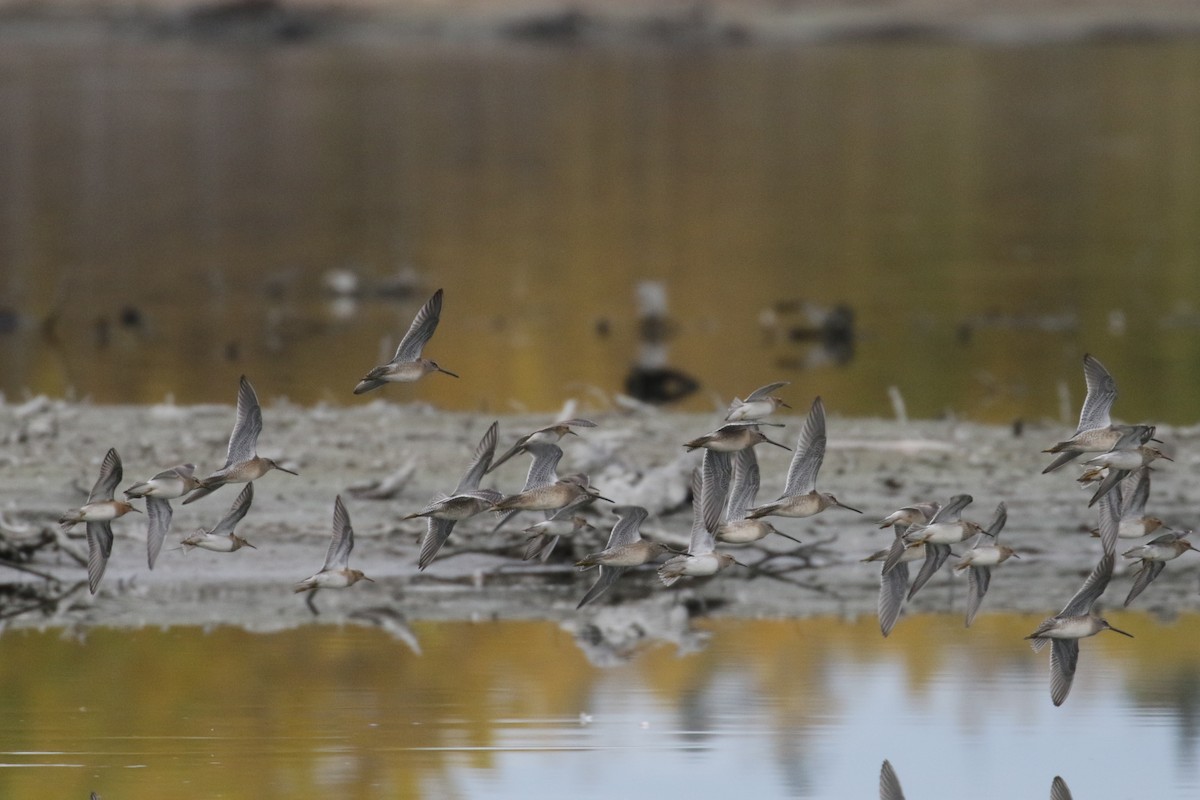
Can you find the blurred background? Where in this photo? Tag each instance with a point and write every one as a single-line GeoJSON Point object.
{"type": "Point", "coordinates": [673, 201]}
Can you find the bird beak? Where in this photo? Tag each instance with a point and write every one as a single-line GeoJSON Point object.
{"type": "Point", "coordinates": [1118, 630]}
{"type": "Point", "coordinates": [138, 510]}
{"type": "Point", "coordinates": [372, 580]}
{"type": "Point", "coordinates": [602, 497]}
{"type": "Point", "coordinates": [452, 375]}
{"type": "Point", "coordinates": [1165, 456]}
{"type": "Point", "coordinates": [573, 433]}
{"type": "Point", "coordinates": [247, 544]}
{"type": "Point", "coordinates": [848, 508]}
{"type": "Point", "coordinates": [285, 469]}
{"type": "Point", "coordinates": [740, 564]}
{"type": "Point", "coordinates": [777, 444]}
{"type": "Point", "coordinates": [785, 405]}
{"type": "Point", "coordinates": [1014, 555]}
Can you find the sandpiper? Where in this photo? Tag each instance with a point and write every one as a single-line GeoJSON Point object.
{"type": "Point", "coordinates": [893, 583]}
{"type": "Point", "coordinates": [336, 573]}
{"type": "Point", "coordinates": [408, 365]}
{"type": "Point", "coordinates": [544, 536]}
{"type": "Point", "coordinates": [1096, 432]}
{"type": "Point", "coordinates": [757, 404]}
{"type": "Point", "coordinates": [221, 538]}
{"type": "Point", "coordinates": [710, 483]}
{"type": "Point", "coordinates": [734, 436]}
{"type": "Point", "coordinates": [1126, 456]}
{"type": "Point", "coordinates": [626, 548]}
{"type": "Point", "coordinates": [1131, 497]}
{"type": "Point", "coordinates": [1154, 556]}
{"type": "Point", "coordinates": [916, 514]}
{"type": "Point", "coordinates": [735, 527]}
{"type": "Point", "coordinates": [242, 461]}
{"type": "Point", "coordinates": [1076, 621]}
{"type": "Point", "coordinates": [800, 497]}
{"type": "Point", "coordinates": [98, 513]}
{"type": "Point", "coordinates": [159, 491]}
{"type": "Point", "coordinates": [947, 527]}
{"type": "Point", "coordinates": [979, 560]}
{"type": "Point", "coordinates": [544, 491]}
{"type": "Point", "coordinates": [547, 435]}
{"type": "Point", "coordinates": [465, 501]}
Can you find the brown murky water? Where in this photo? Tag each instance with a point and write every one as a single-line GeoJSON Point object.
{"type": "Point", "coordinates": [988, 214]}
{"type": "Point", "coordinates": [804, 708]}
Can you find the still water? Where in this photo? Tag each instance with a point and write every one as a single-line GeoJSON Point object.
{"type": "Point", "coordinates": [988, 214]}
{"type": "Point", "coordinates": [800, 708]}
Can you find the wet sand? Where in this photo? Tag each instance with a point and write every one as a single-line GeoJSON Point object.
{"type": "Point", "coordinates": [53, 448]}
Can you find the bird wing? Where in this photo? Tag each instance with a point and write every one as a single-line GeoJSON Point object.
{"type": "Point", "coordinates": [1135, 490]}
{"type": "Point", "coordinates": [889, 783]}
{"type": "Point", "coordinates": [998, 522]}
{"type": "Point", "coordinates": [110, 476]}
{"type": "Point", "coordinates": [236, 512]}
{"type": "Point", "coordinates": [952, 511]}
{"type": "Point", "coordinates": [577, 422]}
{"type": "Point", "coordinates": [607, 577]}
{"type": "Point", "coordinates": [243, 441]}
{"type": "Point", "coordinates": [935, 556]}
{"type": "Point", "coordinates": [763, 392]}
{"type": "Point", "coordinates": [744, 486]}
{"type": "Point", "coordinates": [1064, 655]}
{"type": "Point", "coordinates": [542, 471]}
{"type": "Point", "coordinates": [437, 531]}
{"type": "Point", "coordinates": [1059, 789]}
{"type": "Point", "coordinates": [810, 452]}
{"type": "Point", "coordinates": [1145, 576]}
{"type": "Point", "coordinates": [893, 584]}
{"type": "Point", "coordinates": [421, 330]}
{"type": "Point", "coordinates": [100, 541]}
{"type": "Point", "coordinates": [159, 513]}
{"type": "Point", "coordinates": [978, 580]}
{"type": "Point", "coordinates": [1092, 588]}
{"type": "Point", "coordinates": [1109, 525]}
{"type": "Point", "coordinates": [628, 527]}
{"type": "Point", "coordinates": [1101, 392]}
{"type": "Point", "coordinates": [338, 555]}
{"type": "Point", "coordinates": [717, 468]}
{"type": "Point", "coordinates": [480, 462]}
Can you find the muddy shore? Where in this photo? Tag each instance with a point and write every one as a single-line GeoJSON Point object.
{"type": "Point", "coordinates": [52, 451]}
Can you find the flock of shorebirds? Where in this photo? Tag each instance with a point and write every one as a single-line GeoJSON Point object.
{"type": "Point", "coordinates": [724, 492]}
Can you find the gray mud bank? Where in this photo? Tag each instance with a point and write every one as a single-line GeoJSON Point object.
{"type": "Point", "coordinates": [52, 450]}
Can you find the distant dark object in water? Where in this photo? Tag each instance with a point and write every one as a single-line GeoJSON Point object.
{"type": "Point", "coordinates": [834, 328]}
{"type": "Point", "coordinates": [659, 384]}
{"type": "Point", "coordinates": [249, 19]}
{"type": "Point", "coordinates": [233, 351]}
{"type": "Point", "coordinates": [8, 320]}
{"type": "Point", "coordinates": [131, 317]}
{"type": "Point", "coordinates": [603, 327]}
{"type": "Point", "coordinates": [559, 26]}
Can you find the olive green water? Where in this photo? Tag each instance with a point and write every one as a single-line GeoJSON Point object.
{"type": "Point", "coordinates": [988, 213]}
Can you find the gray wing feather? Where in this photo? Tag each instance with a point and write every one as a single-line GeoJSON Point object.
{"type": "Point", "coordinates": [810, 452]}
{"type": "Point", "coordinates": [542, 471]}
{"type": "Point", "coordinates": [1135, 491]}
{"type": "Point", "coordinates": [1092, 588]}
{"type": "Point", "coordinates": [577, 422]}
{"type": "Point", "coordinates": [239, 509]}
{"type": "Point", "coordinates": [763, 392]}
{"type": "Point", "coordinates": [159, 513]}
{"type": "Point", "coordinates": [978, 580]}
{"type": "Point", "coordinates": [628, 527]}
{"type": "Point", "coordinates": [421, 330]}
{"type": "Point", "coordinates": [110, 476]}
{"type": "Point", "coordinates": [1110, 524]}
{"type": "Point", "coordinates": [607, 577]}
{"type": "Point", "coordinates": [480, 462]}
{"type": "Point", "coordinates": [998, 522]}
{"type": "Point", "coordinates": [1059, 790]}
{"type": "Point", "coordinates": [100, 541]}
{"type": "Point", "coordinates": [892, 586]}
{"type": "Point", "coordinates": [1101, 392]}
{"type": "Point", "coordinates": [342, 541]}
{"type": "Point", "coordinates": [952, 511]}
{"type": "Point", "coordinates": [1145, 576]}
{"type": "Point", "coordinates": [717, 468]}
{"type": "Point", "coordinates": [889, 783]}
{"type": "Point", "coordinates": [744, 486]}
{"type": "Point", "coordinates": [243, 441]}
{"type": "Point", "coordinates": [1064, 656]}
{"type": "Point", "coordinates": [1111, 481]}
{"type": "Point", "coordinates": [935, 556]}
{"type": "Point", "coordinates": [181, 471]}
{"type": "Point", "coordinates": [437, 531]}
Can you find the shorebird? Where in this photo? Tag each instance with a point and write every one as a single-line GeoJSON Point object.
{"type": "Point", "coordinates": [889, 783]}
{"type": "Point", "coordinates": [98, 513]}
{"type": "Point", "coordinates": [710, 482]}
{"type": "Point", "coordinates": [544, 536]}
{"type": "Point", "coordinates": [1096, 432]}
{"type": "Point", "coordinates": [547, 435]}
{"type": "Point", "coordinates": [626, 548]}
{"type": "Point", "coordinates": [242, 461]}
{"type": "Point", "coordinates": [757, 404]}
{"type": "Point", "coordinates": [979, 560]}
{"type": "Point", "coordinates": [544, 490]}
{"type": "Point", "coordinates": [735, 527]}
{"type": "Point", "coordinates": [893, 583]}
{"type": "Point", "coordinates": [465, 501]}
{"type": "Point", "coordinates": [946, 527]}
{"type": "Point", "coordinates": [159, 491]}
{"type": "Point", "coordinates": [1131, 497]}
{"type": "Point", "coordinates": [1059, 789]}
{"type": "Point", "coordinates": [734, 436]}
{"type": "Point", "coordinates": [221, 538]}
{"type": "Point", "coordinates": [1126, 456]}
{"type": "Point", "coordinates": [336, 573]}
{"type": "Point", "coordinates": [1154, 556]}
{"type": "Point", "coordinates": [408, 365]}
{"type": "Point", "coordinates": [1076, 621]}
{"type": "Point", "coordinates": [800, 497]}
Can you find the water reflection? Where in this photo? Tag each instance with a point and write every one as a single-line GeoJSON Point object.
{"type": "Point", "coordinates": [171, 212]}
{"type": "Point", "coordinates": [767, 708]}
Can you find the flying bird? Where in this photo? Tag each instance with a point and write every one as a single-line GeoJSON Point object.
{"type": "Point", "coordinates": [408, 365]}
